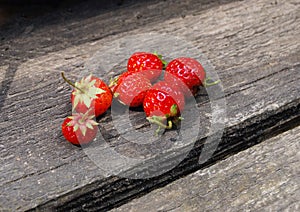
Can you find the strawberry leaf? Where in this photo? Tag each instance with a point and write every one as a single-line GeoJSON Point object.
{"type": "Point", "coordinates": [83, 129]}
{"type": "Point", "coordinates": [174, 110]}
{"type": "Point", "coordinates": [89, 125]}
{"type": "Point", "coordinates": [87, 100]}
{"type": "Point", "coordinates": [164, 62]}
{"type": "Point", "coordinates": [76, 101]}
{"type": "Point", "coordinates": [76, 127]}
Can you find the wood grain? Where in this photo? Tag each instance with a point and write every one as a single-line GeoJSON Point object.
{"type": "Point", "coordinates": [263, 177]}
{"type": "Point", "coordinates": [255, 50]}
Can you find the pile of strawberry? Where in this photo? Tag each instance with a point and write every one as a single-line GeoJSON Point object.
{"type": "Point", "coordinates": [141, 85]}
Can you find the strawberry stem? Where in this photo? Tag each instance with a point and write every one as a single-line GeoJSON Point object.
{"type": "Point", "coordinates": [157, 121]}
{"type": "Point", "coordinates": [70, 83]}
{"type": "Point", "coordinates": [208, 84]}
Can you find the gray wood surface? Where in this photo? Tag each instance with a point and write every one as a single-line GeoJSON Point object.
{"type": "Point", "coordinates": [253, 46]}
{"type": "Point", "coordinates": [265, 177]}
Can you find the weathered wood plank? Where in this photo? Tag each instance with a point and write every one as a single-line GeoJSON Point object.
{"type": "Point", "coordinates": [39, 167]}
{"type": "Point", "coordinates": [89, 21]}
{"type": "Point", "coordinates": [265, 176]}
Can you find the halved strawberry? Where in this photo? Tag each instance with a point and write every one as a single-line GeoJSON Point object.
{"type": "Point", "coordinates": [80, 128]}
{"type": "Point", "coordinates": [149, 64]}
{"type": "Point", "coordinates": [90, 92]}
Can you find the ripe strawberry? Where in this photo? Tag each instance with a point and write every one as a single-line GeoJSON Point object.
{"type": "Point", "coordinates": [187, 73]}
{"type": "Point", "coordinates": [163, 103]}
{"type": "Point", "coordinates": [132, 89]}
{"type": "Point", "coordinates": [149, 64]}
{"type": "Point", "coordinates": [90, 92]}
{"type": "Point", "coordinates": [115, 82]}
{"type": "Point", "coordinates": [80, 128]}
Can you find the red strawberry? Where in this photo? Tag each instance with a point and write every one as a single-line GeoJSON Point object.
{"type": "Point", "coordinates": [132, 89]}
{"type": "Point", "coordinates": [115, 82]}
{"type": "Point", "coordinates": [189, 71]}
{"type": "Point", "coordinates": [162, 103]}
{"type": "Point", "coordinates": [90, 92]}
{"type": "Point", "coordinates": [80, 128]}
{"type": "Point", "coordinates": [149, 64]}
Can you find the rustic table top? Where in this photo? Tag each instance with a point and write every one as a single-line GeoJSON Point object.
{"type": "Point", "coordinates": [265, 176]}
{"type": "Point", "coordinates": [251, 46]}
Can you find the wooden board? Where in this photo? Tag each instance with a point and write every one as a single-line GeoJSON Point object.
{"type": "Point", "coordinates": [263, 177]}
{"type": "Point", "coordinates": [253, 46]}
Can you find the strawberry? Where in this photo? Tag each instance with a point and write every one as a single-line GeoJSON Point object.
{"type": "Point", "coordinates": [115, 82]}
{"type": "Point", "coordinates": [149, 64]}
{"type": "Point", "coordinates": [80, 128]}
{"type": "Point", "coordinates": [132, 89]}
{"type": "Point", "coordinates": [186, 73]}
{"type": "Point", "coordinates": [163, 103]}
{"type": "Point", "coordinates": [90, 92]}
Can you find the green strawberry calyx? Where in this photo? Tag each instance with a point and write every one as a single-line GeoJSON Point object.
{"type": "Point", "coordinates": [82, 122]}
{"type": "Point", "coordinates": [159, 121]}
{"type": "Point", "coordinates": [167, 121]}
{"type": "Point", "coordinates": [113, 81]}
{"type": "Point", "coordinates": [164, 62]}
{"type": "Point", "coordinates": [173, 110]}
{"type": "Point", "coordinates": [85, 91]}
